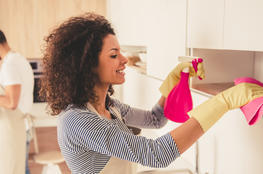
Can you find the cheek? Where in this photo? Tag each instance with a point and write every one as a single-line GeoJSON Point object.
{"type": "Point", "coordinates": [105, 74]}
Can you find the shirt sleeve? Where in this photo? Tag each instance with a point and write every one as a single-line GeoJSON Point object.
{"type": "Point", "coordinates": [142, 118]}
{"type": "Point", "coordinates": [105, 137]}
{"type": "Point", "coordinates": [10, 75]}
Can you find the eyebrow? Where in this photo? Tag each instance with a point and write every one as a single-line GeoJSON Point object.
{"type": "Point", "coordinates": [114, 49]}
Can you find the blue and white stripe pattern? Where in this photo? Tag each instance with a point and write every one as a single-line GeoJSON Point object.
{"type": "Point", "coordinates": [87, 141]}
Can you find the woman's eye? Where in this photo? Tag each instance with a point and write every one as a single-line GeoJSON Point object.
{"type": "Point", "coordinates": [113, 56]}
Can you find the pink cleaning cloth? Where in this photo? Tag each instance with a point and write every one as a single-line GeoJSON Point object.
{"type": "Point", "coordinates": [253, 111]}
{"type": "Point", "coordinates": [179, 101]}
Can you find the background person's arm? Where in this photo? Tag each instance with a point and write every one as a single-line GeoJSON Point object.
{"type": "Point", "coordinates": [11, 98]}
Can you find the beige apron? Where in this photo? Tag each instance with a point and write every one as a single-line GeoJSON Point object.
{"type": "Point", "coordinates": [116, 165]}
{"type": "Point", "coordinates": [12, 141]}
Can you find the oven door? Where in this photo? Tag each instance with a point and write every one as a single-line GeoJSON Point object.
{"type": "Point", "coordinates": [37, 67]}
{"type": "Point", "coordinates": [37, 99]}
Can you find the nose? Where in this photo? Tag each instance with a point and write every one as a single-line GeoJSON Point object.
{"type": "Point", "coordinates": [124, 60]}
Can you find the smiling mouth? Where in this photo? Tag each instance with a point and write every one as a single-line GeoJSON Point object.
{"type": "Point", "coordinates": [121, 72]}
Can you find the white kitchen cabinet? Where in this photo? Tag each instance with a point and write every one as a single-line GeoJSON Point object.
{"type": "Point", "coordinates": [206, 143]}
{"type": "Point", "coordinates": [236, 28]}
{"type": "Point", "coordinates": [255, 9]}
{"type": "Point", "coordinates": [243, 27]}
{"type": "Point", "coordinates": [219, 24]}
{"type": "Point", "coordinates": [159, 25]}
{"type": "Point", "coordinates": [167, 39]}
{"type": "Point", "coordinates": [231, 145]}
{"type": "Point", "coordinates": [205, 24]}
{"type": "Point", "coordinates": [238, 145]}
{"type": "Point", "coordinates": [129, 19]}
{"type": "Point", "coordinates": [225, 24]}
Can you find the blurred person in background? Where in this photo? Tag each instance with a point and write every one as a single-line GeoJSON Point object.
{"type": "Point", "coordinates": [16, 99]}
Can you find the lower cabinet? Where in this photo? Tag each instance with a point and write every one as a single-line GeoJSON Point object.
{"type": "Point", "coordinates": [231, 145]}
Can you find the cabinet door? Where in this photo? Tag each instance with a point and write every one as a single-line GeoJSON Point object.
{"type": "Point", "coordinates": [243, 29]}
{"type": "Point", "coordinates": [255, 25]}
{"type": "Point", "coordinates": [166, 37]}
{"type": "Point", "coordinates": [237, 141]}
{"type": "Point", "coordinates": [236, 28]}
{"type": "Point", "coordinates": [206, 143]}
{"type": "Point", "coordinates": [129, 20]}
{"type": "Point", "coordinates": [205, 23]}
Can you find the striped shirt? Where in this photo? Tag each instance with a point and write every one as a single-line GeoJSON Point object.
{"type": "Point", "coordinates": [87, 141]}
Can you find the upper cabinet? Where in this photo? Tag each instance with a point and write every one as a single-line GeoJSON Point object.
{"type": "Point", "coordinates": [255, 8]}
{"type": "Point", "coordinates": [205, 24]}
{"type": "Point", "coordinates": [129, 19]}
{"type": "Point", "coordinates": [236, 28]}
{"type": "Point", "coordinates": [159, 25]}
{"type": "Point", "coordinates": [225, 24]}
{"type": "Point", "coordinates": [166, 36]}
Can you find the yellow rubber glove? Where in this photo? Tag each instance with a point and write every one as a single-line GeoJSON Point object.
{"type": "Point", "coordinates": [174, 76]}
{"type": "Point", "coordinates": [213, 109]}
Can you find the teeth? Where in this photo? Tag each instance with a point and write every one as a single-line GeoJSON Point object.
{"type": "Point", "coordinates": [119, 70]}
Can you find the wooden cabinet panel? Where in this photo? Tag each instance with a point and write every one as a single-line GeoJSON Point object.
{"type": "Point", "coordinates": [27, 22]}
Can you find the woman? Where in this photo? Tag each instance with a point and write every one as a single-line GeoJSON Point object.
{"type": "Point", "coordinates": [82, 61]}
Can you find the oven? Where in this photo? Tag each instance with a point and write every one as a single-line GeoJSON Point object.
{"type": "Point", "coordinates": [37, 67]}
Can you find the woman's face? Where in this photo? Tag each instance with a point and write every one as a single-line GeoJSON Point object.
{"type": "Point", "coordinates": [111, 62]}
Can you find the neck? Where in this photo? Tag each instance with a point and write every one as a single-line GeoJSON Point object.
{"type": "Point", "coordinates": [4, 49]}
{"type": "Point", "coordinates": [101, 93]}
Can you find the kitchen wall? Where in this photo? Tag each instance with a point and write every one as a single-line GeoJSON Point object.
{"type": "Point", "coordinates": [27, 22]}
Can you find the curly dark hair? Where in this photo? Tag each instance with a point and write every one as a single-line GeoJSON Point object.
{"type": "Point", "coordinates": [70, 54]}
{"type": "Point", "coordinates": [2, 37]}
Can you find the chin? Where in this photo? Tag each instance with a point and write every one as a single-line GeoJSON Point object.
{"type": "Point", "coordinates": [119, 82]}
